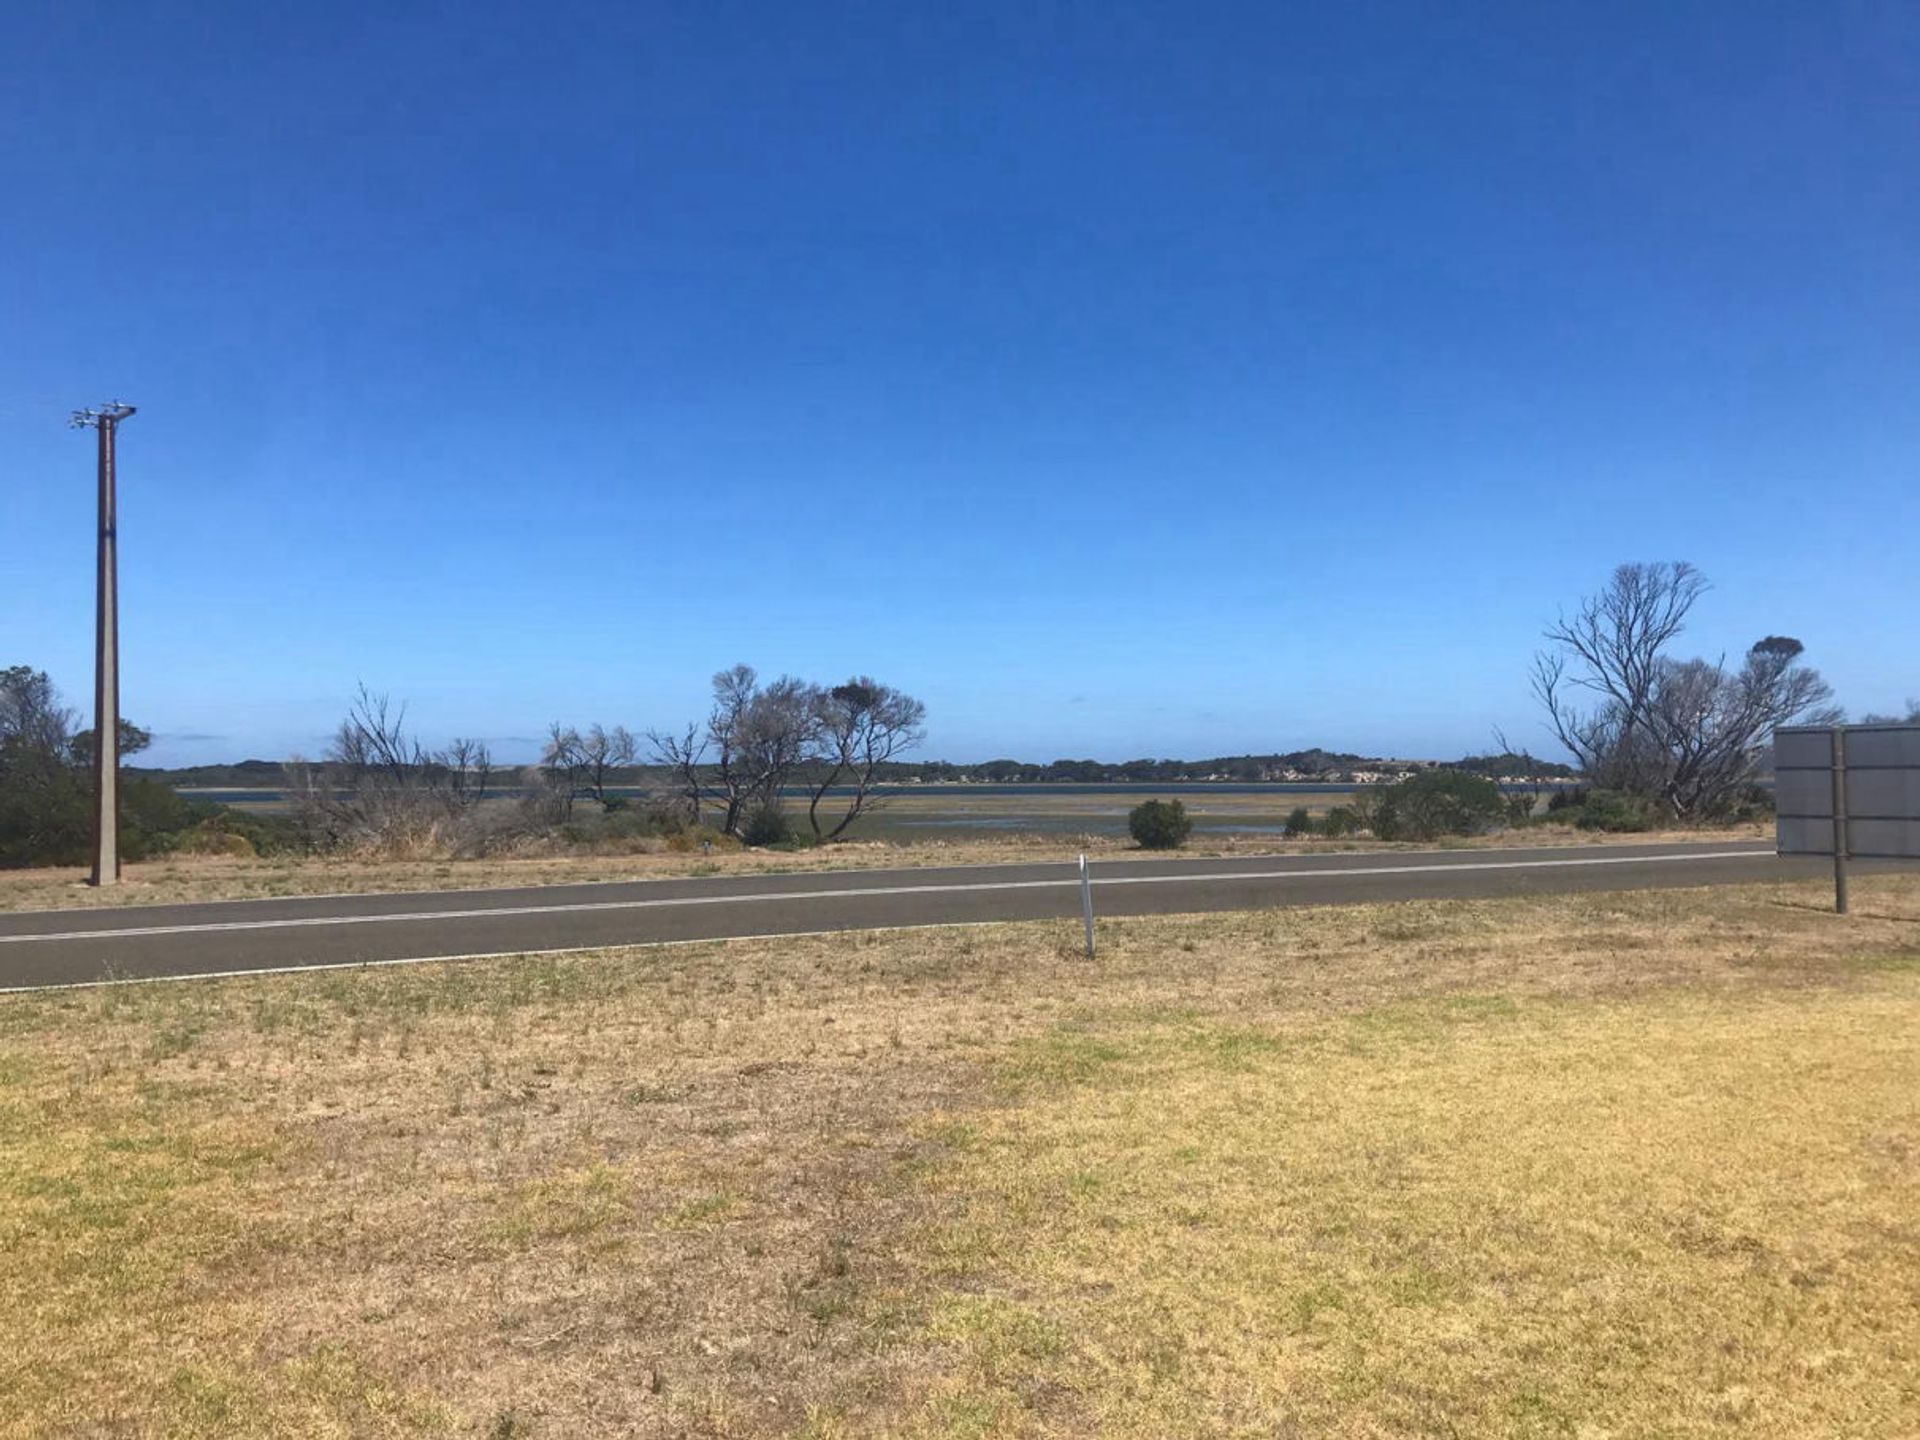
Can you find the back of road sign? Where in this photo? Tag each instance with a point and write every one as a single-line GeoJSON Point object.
{"type": "Point", "coordinates": [1880, 790]}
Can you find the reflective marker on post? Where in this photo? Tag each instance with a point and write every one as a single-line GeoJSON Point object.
{"type": "Point", "coordinates": [1086, 903]}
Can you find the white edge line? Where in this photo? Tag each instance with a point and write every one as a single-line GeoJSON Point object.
{"type": "Point", "coordinates": [349, 966]}
{"type": "Point", "coordinates": [589, 907]}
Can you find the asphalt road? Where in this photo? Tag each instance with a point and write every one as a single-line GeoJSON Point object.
{"type": "Point", "coordinates": [71, 947]}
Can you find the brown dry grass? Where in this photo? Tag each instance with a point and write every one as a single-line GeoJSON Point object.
{"type": "Point", "coordinates": [187, 878]}
{"type": "Point", "coordinates": [1593, 1164]}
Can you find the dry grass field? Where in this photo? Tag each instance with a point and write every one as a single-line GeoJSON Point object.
{"type": "Point", "coordinates": [201, 877]}
{"type": "Point", "coordinates": [1600, 1165]}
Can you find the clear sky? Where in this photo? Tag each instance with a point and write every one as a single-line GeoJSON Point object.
{"type": "Point", "coordinates": [1120, 379]}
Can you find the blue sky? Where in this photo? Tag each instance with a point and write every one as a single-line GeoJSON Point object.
{"type": "Point", "coordinates": [1121, 379]}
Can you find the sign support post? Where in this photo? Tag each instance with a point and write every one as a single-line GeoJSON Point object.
{"type": "Point", "coordinates": [1840, 836]}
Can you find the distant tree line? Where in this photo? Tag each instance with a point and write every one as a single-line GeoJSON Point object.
{"type": "Point", "coordinates": [1302, 766]}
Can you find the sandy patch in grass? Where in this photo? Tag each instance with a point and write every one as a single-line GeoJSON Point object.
{"type": "Point", "coordinates": [1370, 1170]}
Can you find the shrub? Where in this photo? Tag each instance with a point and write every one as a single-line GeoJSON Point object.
{"type": "Point", "coordinates": [208, 838]}
{"type": "Point", "coordinates": [1340, 821]}
{"type": "Point", "coordinates": [1614, 812]}
{"type": "Point", "coordinates": [1160, 824]}
{"type": "Point", "coordinates": [768, 825]}
{"type": "Point", "coordinates": [1299, 822]}
{"type": "Point", "coordinates": [1433, 803]}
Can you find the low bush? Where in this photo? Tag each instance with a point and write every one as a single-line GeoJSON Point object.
{"type": "Point", "coordinates": [689, 838]}
{"type": "Point", "coordinates": [1160, 824]}
{"type": "Point", "coordinates": [209, 839]}
{"type": "Point", "coordinates": [1613, 812]}
{"type": "Point", "coordinates": [768, 825]}
{"type": "Point", "coordinates": [1340, 822]}
{"type": "Point", "coordinates": [1299, 822]}
{"type": "Point", "coordinates": [1433, 803]}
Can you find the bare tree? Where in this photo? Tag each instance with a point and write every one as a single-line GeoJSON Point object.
{"type": "Point", "coordinates": [773, 737]}
{"type": "Point", "coordinates": [1612, 650]}
{"type": "Point", "coordinates": [563, 764]}
{"type": "Point", "coordinates": [602, 751]}
{"type": "Point", "coordinates": [858, 728]}
{"type": "Point", "coordinates": [377, 786]}
{"type": "Point", "coordinates": [684, 754]}
{"type": "Point", "coordinates": [469, 767]}
{"type": "Point", "coordinates": [1688, 734]}
{"type": "Point", "coordinates": [733, 696]}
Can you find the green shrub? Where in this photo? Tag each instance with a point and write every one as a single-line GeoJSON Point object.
{"type": "Point", "coordinates": [1339, 822]}
{"type": "Point", "coordinates": [768, 825]}
{"type": "Point", "coordinates": [1160, 824]}
{"type": "Point", "coordinates": [1433, 803]}
{"type": "Point", "coordinates": [1613, 812]}
{"type": "Point", "coordinates": [1299, 822]}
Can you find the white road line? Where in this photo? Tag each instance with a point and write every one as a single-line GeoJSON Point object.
{"type": "Point", "coordinates": [324, 965]}
{"type": "Point", "coordinates": [583, 907]}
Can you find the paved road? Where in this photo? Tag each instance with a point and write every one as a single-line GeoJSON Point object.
{"type": "Point", "coordinates": [68, 947]}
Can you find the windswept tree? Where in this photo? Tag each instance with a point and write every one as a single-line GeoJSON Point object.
{"type": "Point", "coordinates": [772, 737]}
{"type": "Point", "coordinates": [759, 740]}
{"type": "Point", "coordinates": [1687, 735]}
{"type": "Point", "coordinates": [859, 728]}
{"type": "Point", "coordinates": [743, 756]}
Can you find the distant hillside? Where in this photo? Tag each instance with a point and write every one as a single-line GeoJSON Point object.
{"type": "Point", "coordinates": [242, 775]}
{"type": "Point", "coordinates": [1298, 766]}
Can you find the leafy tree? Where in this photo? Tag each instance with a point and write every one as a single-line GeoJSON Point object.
{"type": "Point", "coordinates": [46, 782]}
{"type": "Point", "coordinates": [133, 739]}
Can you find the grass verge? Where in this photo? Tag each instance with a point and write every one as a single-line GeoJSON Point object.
{"type": "Point", "coordinates": [1604, 1164]}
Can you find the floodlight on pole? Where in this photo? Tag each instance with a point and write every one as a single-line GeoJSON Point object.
{"type": "Point", "coordinates": [105, 419]}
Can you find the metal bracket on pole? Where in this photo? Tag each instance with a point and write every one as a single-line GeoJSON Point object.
{"type": "Point", "coordinates": [1086, 903]}
{"type": "Point", "coordinates": [1841, 838]}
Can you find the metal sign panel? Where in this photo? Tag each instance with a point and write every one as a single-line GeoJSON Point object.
{"type": "Point", "coordinates": [1879, 767]}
